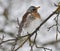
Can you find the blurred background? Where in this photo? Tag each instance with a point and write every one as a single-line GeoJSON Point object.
{"type": "Point", "coordinates": [10, 10]}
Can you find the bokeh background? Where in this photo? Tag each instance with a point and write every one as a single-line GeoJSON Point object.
{"type": "Point", "coordinates": [10, 10]}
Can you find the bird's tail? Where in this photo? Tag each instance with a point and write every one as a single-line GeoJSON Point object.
{"type": "Point", "coordinates": [20, 29]}
{"type": "Point", "coordinates": [22, 23]}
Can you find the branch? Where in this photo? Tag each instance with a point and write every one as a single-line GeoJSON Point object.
{"type": "Point", "coordinates": [43, 22]}
{"type": "Point", "coordinates": [36, 29]}
{"type": "Point", "coordinates": [28, 36]}
{"type": "Point", "coordinates": [6, 41]}
{"type": "Point", "coordinates": [51, 42]}
{"type": "Point", "coordinates": [51, 26]}
{"type": "Point", "coordinates": [22, 43]}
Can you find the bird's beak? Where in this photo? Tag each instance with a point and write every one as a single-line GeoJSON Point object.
{"type": "Point", "coordinates": [37, 14]}
{"type": "Point", "coordinates": [38, 7]}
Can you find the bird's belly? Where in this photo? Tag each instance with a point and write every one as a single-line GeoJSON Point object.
{"type": "Point", "coordinates": [26, 24]}
{"type": "Point", "coordinates": [28, 21]}
{"type": "Point", "coordinates": [31, 26]}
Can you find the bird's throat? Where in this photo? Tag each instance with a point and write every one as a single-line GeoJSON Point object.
{"type": "Point", "coordinates": [36, 15]}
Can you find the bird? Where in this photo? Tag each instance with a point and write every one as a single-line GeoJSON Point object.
{"type": "Point", "coordinates": [30, 15]}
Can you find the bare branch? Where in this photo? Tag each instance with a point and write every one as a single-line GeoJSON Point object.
{"type": "Point", "coordinates": [22, 43]}
{"type": "Point", "coordinates": [43, 48]}
{"type": "Point", "coordinates": [30, 35]}
{"type": "Point", "coordinates": [51, 42]}
{"type": "Point", "coordinates": [51, 27]}
{"type": "Point", "coordinates": [7, 41]}
{"type": "Point", "coordinates": [58, 31]}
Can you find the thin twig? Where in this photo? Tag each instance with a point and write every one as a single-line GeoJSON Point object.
{"type": "Point", "coordinates": [43, 48]}
{"type": "Point", "coordinates": [22, 43]}
{"type": "Point", "coordinates": [33, 42]}
{"type": "Point", "coordinates": [57, 26]}
{"type": "Point", "coordinates": [51, 27]}
{"type": "Point", "coordinates": [58, 31]}
{"type": "Point", "coordinates": [37, 29]}
{"type": "Point", "coordinates": [34, 31]}
{"type": "Point", "coordinates": [51, 42]}
{"type": "Point", "coordinates": [7, 41]}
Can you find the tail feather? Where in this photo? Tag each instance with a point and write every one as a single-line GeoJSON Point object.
{"type": "Point", "coordinates": [20, 28]}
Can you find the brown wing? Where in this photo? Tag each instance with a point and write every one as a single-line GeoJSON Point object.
{"type": "Point", "coordinates": [22, 22]}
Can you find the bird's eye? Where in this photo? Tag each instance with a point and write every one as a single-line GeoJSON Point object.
{"type": "Point", "coordinates": [33, 10]}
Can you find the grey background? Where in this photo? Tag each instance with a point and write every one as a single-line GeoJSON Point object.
{"type": "Point", "coordinates": [16, 9]}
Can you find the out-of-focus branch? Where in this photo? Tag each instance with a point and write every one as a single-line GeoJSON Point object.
{"type": "Point", "coordinates": [7, 41]}
{"type": "Point", "coordinates": [38, 28]}
{"type": "Point", "coordinates": [22, 43]}
{"type": "Point", "coordinates": [56, 25]}
{"type": "Point", "coordinates": [6, 13]}
{"type": "Point", "coordinates": [51, 42]}
{"type": "Point", "coordinates": [35, 31]}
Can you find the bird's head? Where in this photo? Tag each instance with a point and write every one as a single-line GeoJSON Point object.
{"type": "Point", "coordinates": [34, 11]}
